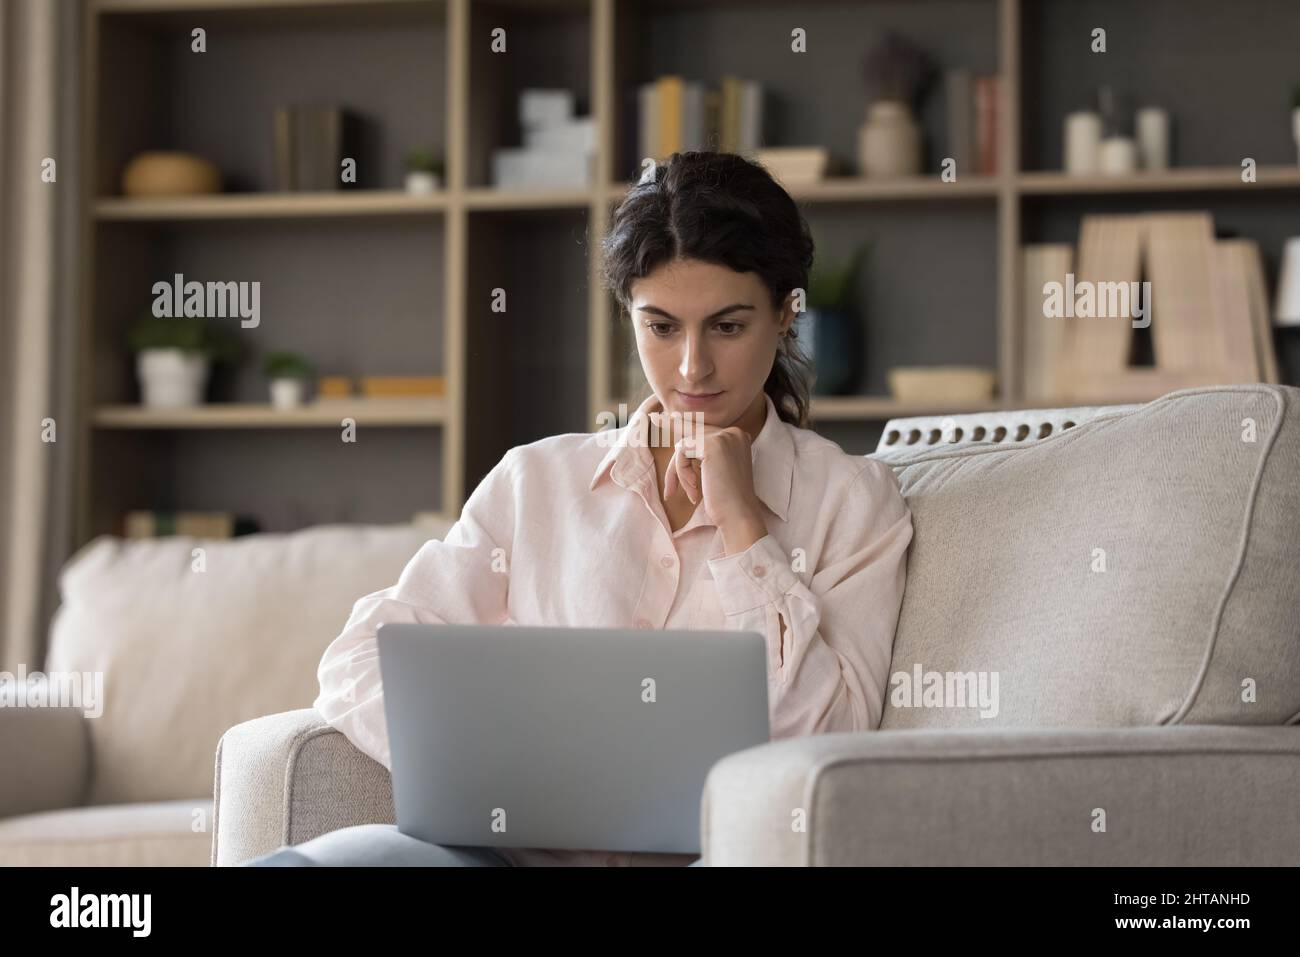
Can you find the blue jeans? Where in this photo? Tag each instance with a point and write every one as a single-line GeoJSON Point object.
{"type": "Point", "coordinates": [380, 845]}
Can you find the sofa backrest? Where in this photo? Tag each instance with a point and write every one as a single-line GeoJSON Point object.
{"type": "Point", "coordinates": [1140, 568]}
{"type": "Point", "coordinates": [188, 650]}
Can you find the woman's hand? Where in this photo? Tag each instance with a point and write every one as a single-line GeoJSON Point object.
{"type": "Point", "coordinates": [715, 466]}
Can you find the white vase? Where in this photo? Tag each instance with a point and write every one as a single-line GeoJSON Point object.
{"type": "Point", "coordinates": [889, 143]}
{"type": "Point", "coordinates": [418, 181]}
{"type": "Point", "coordinates": [171, 378]}
{"type": "Point", "coordinates": [287, 393]}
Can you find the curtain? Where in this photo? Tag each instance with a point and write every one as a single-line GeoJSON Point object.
{"type": "Point", "coordinates": [40, 116]}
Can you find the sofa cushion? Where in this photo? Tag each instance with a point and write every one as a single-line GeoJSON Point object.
{"type": "Point", "coordinates": [1137, 569]}
{"type": "Point", "coordinates": [162, 834]}
{"type": "Point", "coordinates": [188, 653]}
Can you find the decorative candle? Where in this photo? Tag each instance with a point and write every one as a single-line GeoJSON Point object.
{"type": "Point", "coordinates": [1118, 155]}
{"type": "Point", "coordinates": [1153, 137]}
{"type": "Point", "coordinates": [1082, 142]}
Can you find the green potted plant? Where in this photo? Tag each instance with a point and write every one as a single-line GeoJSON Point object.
{"type": "Point", "coordinates": [288, 373]}
{"type": "Point", "coordinates": [173, 358]}
{"type": "Point", "coordinates": [423, 171]}
{"type": "Point", "coordinates": [831, 328]}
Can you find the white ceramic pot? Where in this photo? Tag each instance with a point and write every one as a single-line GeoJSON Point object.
{"type": "Point", "coordinates": [287, 393]}
{"type": "Point", "coordinates": [171, 378]}
{"type": "Point", "coordinates": [889, 143]}
{"type": "Point", "coordinates": [422, 182]}
{"type": "Point", "coordinates": [1119, 156]}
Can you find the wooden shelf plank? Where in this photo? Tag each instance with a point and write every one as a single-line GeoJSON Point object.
{"type": "Point", "coordinates": [1189, 179]}
{"type": "Point", "coordinates": [489, 197]}
{"type": "Point", "coordinates": [360, 203]}
{"type": "Point", "coordinates": [236, 415]}
{"type": "Point", "coordinates": [861, 189]}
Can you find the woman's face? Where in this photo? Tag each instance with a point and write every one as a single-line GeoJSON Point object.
{"type": "Point", "coordinates": [707, 337]}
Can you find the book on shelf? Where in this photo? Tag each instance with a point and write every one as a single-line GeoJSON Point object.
{"type": "Point", "coordinates": [1206, 307]}
{"type": "Point", "coordinates": [672, 114]}
{"type": "Point", "coordinates": [402, 387]}
{"type": "Point", "coordinates": [156, 523]}
{"type": "Point", "coordinates": [986, 125]}
{"type": "Point", "coordinates": [1044, 338]}
{"type": "Point", "coordinates": [973, 107]}
{"type": "Point", "coordinates": [959, 96]}
{"type": "Point", "coordinates": [309, 142]}
{"type": "Point", "coordinates": [382, 387]}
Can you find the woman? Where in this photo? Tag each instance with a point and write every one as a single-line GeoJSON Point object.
{"type": "Point", "coordinates": [713, 508]}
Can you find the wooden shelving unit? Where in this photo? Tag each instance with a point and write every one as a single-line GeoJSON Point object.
{"type": "Point", "coordinates": [377, 278]}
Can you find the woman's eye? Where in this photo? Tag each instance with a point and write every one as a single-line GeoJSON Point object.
{"type": "Point", "coordinates": [729, 328]}
{"type": "Point", "coordinates": [659, 328]}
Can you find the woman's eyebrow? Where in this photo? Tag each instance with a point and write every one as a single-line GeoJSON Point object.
{"type": "Point", "coordinates": [721, 312]}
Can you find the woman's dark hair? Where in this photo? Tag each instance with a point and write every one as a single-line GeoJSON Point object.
{"type": "Point", "coordinates": [725, 209]}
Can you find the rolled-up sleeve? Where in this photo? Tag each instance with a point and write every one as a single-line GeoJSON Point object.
{"type": "Point", "coordinates": [462, 579]}
{"type": "Point", "coordinates": [831, 670]}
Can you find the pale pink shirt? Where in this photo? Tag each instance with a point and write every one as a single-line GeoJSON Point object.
{"type": "Point", "coordinates": [577, 523]}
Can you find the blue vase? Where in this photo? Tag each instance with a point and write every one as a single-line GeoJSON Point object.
{"type": "Point", "coordinates": [835, 348]}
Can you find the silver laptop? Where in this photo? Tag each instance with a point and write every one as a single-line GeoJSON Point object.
{"type": "Point", "coordinates": [582, 738]}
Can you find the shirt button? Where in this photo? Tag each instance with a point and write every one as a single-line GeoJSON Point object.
{"type": "Point", "coordinates": [760, 570]}
{"type": "Point", "coordinates": [666, 561]}
{"type": "Point", "coordinates": [642, 623]}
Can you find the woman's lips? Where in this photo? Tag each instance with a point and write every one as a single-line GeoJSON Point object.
{"type": "Point", "coordinates": [697, 401]}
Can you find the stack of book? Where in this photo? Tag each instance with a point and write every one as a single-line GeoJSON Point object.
{"type": "Point", "coordinates": [152, 524]}
{"type": "Point", "coordinates": [973, 108]}
{"type": "Point", "coordinates": [671, 114]}
{"type": "Point", "coordinates": [559, 148]}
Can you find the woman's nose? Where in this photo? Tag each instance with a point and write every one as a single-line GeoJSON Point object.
{"type": "Point", "coordinates": [695, 365]}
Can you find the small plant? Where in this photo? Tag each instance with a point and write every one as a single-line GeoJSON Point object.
{"type": "Point", "coordinates": [832, 288]}
{"type": "Point", "coordinates": [423, 161]}
{"type": "Point", "coordinates": [188, 334]}
{"type": "Point", "coordinates": [286, 365]}
{"type": "Point", "coordinates": [897, 70]}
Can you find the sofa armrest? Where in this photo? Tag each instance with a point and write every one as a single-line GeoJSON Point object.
{"type": "Point", "coordinates": [44, 759]}
{"type": "Point", "coordinates": [1171, 795]}
{"type": "Point", "coordinates": [286, 778]}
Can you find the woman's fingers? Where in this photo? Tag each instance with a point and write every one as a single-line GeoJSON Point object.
{"type": "Point", "coordinates": [687, 475]}
{"type": "Point", "coordinates": [670, 477]}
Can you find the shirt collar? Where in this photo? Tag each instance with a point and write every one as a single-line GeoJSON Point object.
{"type": "Point", "coordinates": [772, 454]}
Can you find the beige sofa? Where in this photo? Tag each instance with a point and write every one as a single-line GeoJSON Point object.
{"type": "Point", "coordinates": [189, 644]}
{"type": "Point", "coordinates": [1130, 576]}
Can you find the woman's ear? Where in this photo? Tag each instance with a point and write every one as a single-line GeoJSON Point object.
{"type": "Point", "coordinates": [787, 316]}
